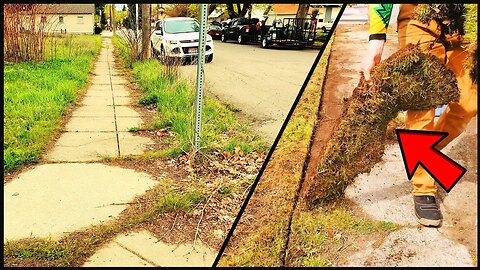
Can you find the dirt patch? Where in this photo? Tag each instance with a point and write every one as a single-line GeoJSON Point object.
{"type": "Point", "coordinates": [260, 237]}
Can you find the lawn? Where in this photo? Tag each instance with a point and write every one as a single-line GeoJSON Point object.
{"type": "Point", "coordinates": [174, 98]}
{"type": "Point", "coordinates": [37, 95]}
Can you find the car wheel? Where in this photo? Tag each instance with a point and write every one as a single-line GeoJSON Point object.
{"type": "Point", "coordinates": [210, 58]}
{"type": "Point", "coordinates": [224, 38]}
{"type": "Point", "coordinates": [264, 43]}
{"type": "Point", "coordinates": [324, 29]}
{"type": "Point", "coordinates": [240, 39]}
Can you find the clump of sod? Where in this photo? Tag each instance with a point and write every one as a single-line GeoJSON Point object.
{"type": "Point", "coordinates": [408, 80]}
{"type": "Point", "coordinates": [471, 30]}
{"type": "Point", "coordinates": [443, 14]}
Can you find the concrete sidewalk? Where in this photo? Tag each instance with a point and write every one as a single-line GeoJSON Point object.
{"type": "Point", "coordinates": [51, 199]}
{"type": "Point", "coordinates": [99, 128]}
{"type": "Point", "coordinates": [67, 194]}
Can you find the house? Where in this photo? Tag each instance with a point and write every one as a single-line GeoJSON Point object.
{"type": "Point", "coordinates": [67, 18]}
{"type": "Point", "coordinates": [217, 15]}
{"type": "Point", "coordinates": [326, 12]}
{"type": "Point", "coordinates": [220, 13]}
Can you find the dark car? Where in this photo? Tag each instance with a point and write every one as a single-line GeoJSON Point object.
{"type": "Point", "coordinates": [241, 29]}
{"type": "Point", "coordinates": [215, 31]}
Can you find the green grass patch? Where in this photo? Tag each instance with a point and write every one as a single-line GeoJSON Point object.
{"type": "Point", "coordinates": [37, 95]}
{"type": "Point", "coordinates": [175, 201]}
{"type": "Point", "coordinates": [319, 234]}
{"type": "Point", "coordinates": [175, 98]}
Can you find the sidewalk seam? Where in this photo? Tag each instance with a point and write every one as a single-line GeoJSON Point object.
{"type": "Point", "coordinates": [136, 254]}
{"type": "Point", "coordinates": [113, 102]}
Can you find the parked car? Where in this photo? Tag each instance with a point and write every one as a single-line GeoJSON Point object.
{"type": "Point", "coordinates": [324, 26]}
{"type": "Point", "coordinates": [177, 38]}
{"type": "Point", "coordinates": [215, 31]}
{"type": "Point", "coordinates": [240, 29]}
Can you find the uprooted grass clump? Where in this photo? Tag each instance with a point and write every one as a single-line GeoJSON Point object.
{"type": "Point", "coordinates": [408, 80]}
{"type": "Point", "coordinates": [471, 31]}
{"type": "Point", "coordinates": [454, 14]}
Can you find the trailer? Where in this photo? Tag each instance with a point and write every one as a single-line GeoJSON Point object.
{"type": "Point", "coordinates": [295, 32]}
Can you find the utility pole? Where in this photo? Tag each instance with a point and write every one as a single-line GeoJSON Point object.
{"type": "Point", "coordinates": [112, 16]}
{"type": "Point", "coordinates": [146, 50]}
{"type": "Point", "coordinates": [202, 40]}
{"type": "Point", "coordinates": [136, 18]}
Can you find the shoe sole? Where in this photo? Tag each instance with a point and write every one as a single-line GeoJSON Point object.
{"type": "Point", "coordinates": [428, 222]}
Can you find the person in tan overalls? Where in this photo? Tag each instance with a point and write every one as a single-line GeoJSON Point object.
{"type": "Point", "coordinates": [449, 48]}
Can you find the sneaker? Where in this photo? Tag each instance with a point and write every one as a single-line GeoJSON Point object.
{"type": "Point", "coordinates": [427, 211]}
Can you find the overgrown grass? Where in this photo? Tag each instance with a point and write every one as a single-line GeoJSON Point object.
{"type": "Point", "coordinates": [174, 98]}
{"type": "Point", "coordinates": [37, 95]}
{"type": "Point", "coordinates": [318, 235]}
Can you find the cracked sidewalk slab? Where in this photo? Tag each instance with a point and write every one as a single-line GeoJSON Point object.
{"type": "Point", "coordinates": [414, 247]}
{"type": "Point", "coordinates": [386, 194]}
{"type": "Point", "coordinates": [145, 249]}
{"type": "Point", "coordinates": [55, 198]}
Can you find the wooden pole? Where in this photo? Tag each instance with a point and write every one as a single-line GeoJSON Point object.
{"type": "Point", "coordinates": [146, 50]}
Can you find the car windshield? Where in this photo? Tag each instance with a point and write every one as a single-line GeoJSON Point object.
{"type": "Point", "coordinates": [181, 26]}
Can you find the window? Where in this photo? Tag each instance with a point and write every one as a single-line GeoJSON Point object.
{"type": "Point", "coordinates": [60, 19]}
{"type": "Point", "coordinates": [79, 19]}
{"type": "Point", "coordinates": [181, 26]}
{"type": "Point", "coordinates": [158, 26]}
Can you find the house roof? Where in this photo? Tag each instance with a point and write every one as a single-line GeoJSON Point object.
{"type": "Point", "coordinates": [67, 8]}
{"type": "Point", "coordinates": [287, 9]}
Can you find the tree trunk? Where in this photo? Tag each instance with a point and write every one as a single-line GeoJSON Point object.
{"type": "Point", "coordinates": [211, 8]}
{"type": "Point", "coordinates": [302, 11]}
{"type": "Point", "coordinates": [146, 50]}
{"type": "Point", "coordinates": [112, 18]}
{"type": "Point", "coordinates": [245, 8]}
{"type": "Point", "coordinates": [231, 11]}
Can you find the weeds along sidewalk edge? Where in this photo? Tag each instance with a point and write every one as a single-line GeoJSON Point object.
{"type": "Point", "coordinates": [304, 168]}
{"type": "Point", "coordinates": [277, 139]}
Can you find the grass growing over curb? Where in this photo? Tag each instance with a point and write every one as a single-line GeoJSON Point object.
{"type": "Point", "coordinates": [317, 236]}
{"type": "Point", "coordinates": [174, 98]}
{"type": "Point", "coordinates": [37, 95]}
{"type": "Point", "coordinates": [262, 242]}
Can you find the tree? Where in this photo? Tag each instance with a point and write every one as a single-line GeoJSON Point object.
{"type": "Point", "coordinates": [146, 50]}
{"type": "Point", "coordinates": [302, 11]}
{"type": "Point", "coordinates": [177, 10]}
{"type": "Point", "coordinates": [239, 10]}
{"type": "Point", "coordinates": [131, 17]}
{"type": "Point", "coordinates": [100, 11]}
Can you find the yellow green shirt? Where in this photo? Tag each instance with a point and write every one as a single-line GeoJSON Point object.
{"type": "Point", "coordinates": [379, 19]}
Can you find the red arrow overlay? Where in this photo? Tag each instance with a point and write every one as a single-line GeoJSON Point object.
{"type": "Point", "coordinates": [418, 148]}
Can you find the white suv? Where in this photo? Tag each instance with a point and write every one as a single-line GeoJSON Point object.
{"type": "Point", "coordinates": [178, 38]}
